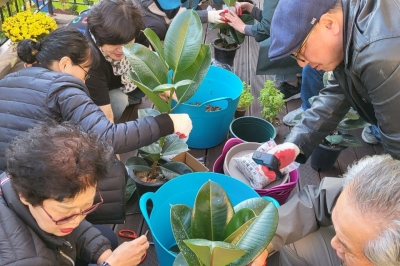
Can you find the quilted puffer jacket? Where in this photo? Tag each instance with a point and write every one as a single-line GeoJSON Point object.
{"type": "Point", "coordinates": [35, 94]}
{"type": "Point", "coordinates": [23, 242]}
{"type": "Point", "coordinates": [368, 79]}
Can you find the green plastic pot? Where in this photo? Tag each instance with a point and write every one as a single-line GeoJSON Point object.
{"type": "Point", "coordinates": [252, 129]}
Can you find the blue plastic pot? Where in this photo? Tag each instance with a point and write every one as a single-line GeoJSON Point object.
{"type": "Point", "coordinates": [220, 88]}
{"type": "Point", "coordinates": [183, 190]}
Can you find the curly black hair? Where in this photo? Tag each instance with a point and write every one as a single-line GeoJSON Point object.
{"type": "Point", "coordinates": [56, 161]}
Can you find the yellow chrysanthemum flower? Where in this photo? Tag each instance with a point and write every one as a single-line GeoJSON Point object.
{"type": "Point", "coordinates": [26, 25]}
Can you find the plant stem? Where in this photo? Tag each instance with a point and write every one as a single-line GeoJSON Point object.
{"type": "Point", "coordinates": [152, 172]}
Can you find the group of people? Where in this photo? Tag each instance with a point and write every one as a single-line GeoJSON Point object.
{"type": "Point", "coordinates": [59, 133]}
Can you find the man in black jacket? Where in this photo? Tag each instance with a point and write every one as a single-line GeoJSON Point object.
{"type": "Point", "coordinates": [359, 42]}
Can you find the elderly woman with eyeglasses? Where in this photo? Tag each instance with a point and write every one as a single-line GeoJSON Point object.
{"type": "Point", "coordinates": [49, 187]}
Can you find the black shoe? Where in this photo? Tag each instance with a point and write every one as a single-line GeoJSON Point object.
{"type": "Point", "coordinates": [290, 92]}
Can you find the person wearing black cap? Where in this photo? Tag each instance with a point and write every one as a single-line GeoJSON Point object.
{"type": "Point", "coordinates": [357, 40]}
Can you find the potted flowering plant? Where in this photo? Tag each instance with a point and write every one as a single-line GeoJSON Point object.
{"type": "Point", "coordinates": [28, 25]}
{"type": "Point", "coordinates": [178, 67]}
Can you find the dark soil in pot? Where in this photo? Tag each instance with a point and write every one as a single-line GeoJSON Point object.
{"type": "Point", "coordinates": [223, 54]}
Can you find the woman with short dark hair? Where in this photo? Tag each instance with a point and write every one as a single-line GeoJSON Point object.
{"type": "Point", "coordinates": [110, 25]}
{"type": "Point", "coordinates": [51, 185]}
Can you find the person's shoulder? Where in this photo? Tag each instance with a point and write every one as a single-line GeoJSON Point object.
{"type": "Point", "coordinates": [80, 22]}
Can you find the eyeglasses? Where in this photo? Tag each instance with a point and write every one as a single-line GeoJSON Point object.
{"type": "Point", "coordinates": [295, 55]}
{"type": "Point", "coordinates": [87, 75]}
{"type": "Point", "coordinates": [68, 218]}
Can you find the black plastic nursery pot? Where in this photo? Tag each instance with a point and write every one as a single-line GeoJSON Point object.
{"type": "Point", "coordinates": [144, 187]}
{"type": "Point", "coordinates": [222, 55]}
{"type": "Point", "coordinates": [240, 113]}
{"type": "Point", "coordinates": [323, 157]}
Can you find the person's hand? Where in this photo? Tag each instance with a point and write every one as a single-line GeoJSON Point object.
{"type": "Point", "coordinates": [261, 260]}
{"type": "Point", "coordinates": [182, 124]}
{"type": "Point", "coordinates": [214, 16]}
{"type": "Point", "coordinates": [234, 21]}
{"type": "Point", "coordinates": [246, 6]}
{"type": "Point", "coordinates": [129, 252]}
{"type": "Point", "coordinates": [286, 153]}
{"type": "Point", "coordinates": [166, 95]}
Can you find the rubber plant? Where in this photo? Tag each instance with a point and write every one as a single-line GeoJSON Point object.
{"type": "Point", "coordinates": [216, 233]}
{"type": "Point", "coordinates": [229, 37]}
{"type": "Point", "coordinates": [177, 66]}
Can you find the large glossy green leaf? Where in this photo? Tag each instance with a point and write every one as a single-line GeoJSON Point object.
{"type": "Point", "coordinates": [238, 36]}
{"type": "Point", "coordinates": [180, 261]}
{"type": "Point", "coordinates": [147, 65]}
{"type": "Point", "coordinates": [255, 204]}
{"type": "Point", "coordinates": [238, 219]}
{"type": "Point", "coordinates": [180, 216]}
{"type": "Point", "coordinates": [214, 252]}
{"type": "Point", "coordinates": [183, 40]}
{"type": "Point", "coordinates": [251, 240]}
{"type": "Point", "coordinates": [173, 145]}
{"type": "Point", "coordinates": [159, 103]}
{"type": "Point", "coordinates": [196, 72]}
{"type": "Point", "coordinates": [239, 231]}
{"type": "Point", "coordinates": [137, 164]}
{"type": "Point", "coordinates": [230, 2]}
{"type": "Point", "coordinates": [334, 139]}
{"type": "Point", "coordinates": [147, 112]}
{"type": "Point", "coordinates": [349, 124]}
{"type": "Point", "coordinates": [173, 169]}
{"type": "Point", "coordinates": [350, 141]}
{"type": "Point", "coordinates": [152, 148]}
{"type": "Point", "coordinates": [156, 43]}
{"type": "Point", "coordinates": [211, 213]}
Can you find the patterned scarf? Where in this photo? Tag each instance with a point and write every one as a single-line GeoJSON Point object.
{"type": "Point", "coordinates": [121, 68]}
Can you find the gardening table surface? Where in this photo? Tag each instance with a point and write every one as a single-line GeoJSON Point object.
{"type": "Point", "coordinates": [245, 68]}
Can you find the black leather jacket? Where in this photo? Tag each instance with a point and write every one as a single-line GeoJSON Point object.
{"type": "Point", "coordinates": [368, 79]}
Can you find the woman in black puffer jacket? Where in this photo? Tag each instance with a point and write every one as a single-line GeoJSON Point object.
{"type": "Point", "coordinates": [54, 88]}
{"type": "Point", "coordinates": [50, 186]}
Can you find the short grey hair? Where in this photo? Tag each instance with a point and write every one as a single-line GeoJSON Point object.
{"type": "Point", "coordinates": [373, 186]}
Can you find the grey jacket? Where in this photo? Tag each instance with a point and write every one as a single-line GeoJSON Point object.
{"type": "Point", "coordinates": [261, 33]}
{"type": "Point", "coordinates": [368, 79]}
{"type": "Point", "coordinates": [22, 242]}
{"type": "Point", "coordinates": [306, 211]}
{"type": "Point", "coordinates": [35, 94]}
